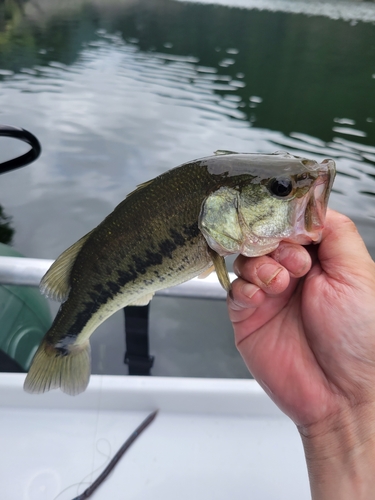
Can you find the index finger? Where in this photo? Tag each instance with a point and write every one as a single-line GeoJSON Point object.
{"type": "Point", "coordinates": [342, 252]}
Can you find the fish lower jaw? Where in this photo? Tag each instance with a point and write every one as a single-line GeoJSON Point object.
{"type": "Point", "coordinates": [257, 250]}
{"type": "Point", "coordinates": [305, 239]}
{"type": "Point", "coordinates": [248, 249]}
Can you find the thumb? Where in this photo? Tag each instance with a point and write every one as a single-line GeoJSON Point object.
{"type": "Point", "coordinates": [342, 252]}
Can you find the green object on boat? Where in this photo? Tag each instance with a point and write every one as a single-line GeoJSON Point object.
{"type": "Point", "coordinates": [24, 318]}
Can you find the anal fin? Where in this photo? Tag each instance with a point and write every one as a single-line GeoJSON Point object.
{"type": "Point", "coordinates": [142, 301]}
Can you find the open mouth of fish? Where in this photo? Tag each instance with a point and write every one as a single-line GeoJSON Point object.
{"type": "Point", "coordinates": [311, 211]}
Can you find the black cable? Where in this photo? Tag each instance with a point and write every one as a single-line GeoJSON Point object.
{"type": "Point", "coordinates": [25, 159]}
{"type": "Point", "coordinates": [117, 457]}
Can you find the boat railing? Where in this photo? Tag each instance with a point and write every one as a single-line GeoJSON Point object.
{"type": "Point", "coordinates": [29, 272]}
{"type": "Point", "coordinates": [24, 271]}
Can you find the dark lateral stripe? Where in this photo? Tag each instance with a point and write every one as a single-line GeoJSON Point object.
{"type": "Point", "coordinates": [114, 287]}
{"type": "Point", "coordinates": [125, 277]}
{"type": "Point", "coordinates": [192, 231]}
{"type": "Point", "coordinates": [82, 318]}
{"type": "Point", "coordinates": [167, 247]}
{"type": "Point", "coordinates": [177, 237]}
{"type": "Point", "coordinates": [104, 292]}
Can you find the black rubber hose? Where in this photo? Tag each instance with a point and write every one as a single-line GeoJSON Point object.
{"type": "Point", "coordinates": [25, 159]}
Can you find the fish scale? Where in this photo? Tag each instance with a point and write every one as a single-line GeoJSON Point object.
{"type": "Point", "coordinates": [141, 264]}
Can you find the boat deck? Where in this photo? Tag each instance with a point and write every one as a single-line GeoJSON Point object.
{"type": "Point", "coordinates": [212, 439]}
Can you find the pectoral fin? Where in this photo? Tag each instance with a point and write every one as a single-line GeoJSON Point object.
{"type": "Point", "coordinates": [221, 270]}
{"type": "Point", "coordinates": [206, 273]}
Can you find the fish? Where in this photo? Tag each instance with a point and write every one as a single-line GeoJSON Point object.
{"type": "Point", "coordinates": [169, 230]}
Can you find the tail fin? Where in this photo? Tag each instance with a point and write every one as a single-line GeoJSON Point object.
{"type": "Point", "coordinates": [50, 370]}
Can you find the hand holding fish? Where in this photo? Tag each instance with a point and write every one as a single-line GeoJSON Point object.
{"type": "Point", "coordinates": [310, 342]}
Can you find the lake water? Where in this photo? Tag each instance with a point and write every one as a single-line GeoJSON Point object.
{"type": "Point", "coordinates": [119, 91]}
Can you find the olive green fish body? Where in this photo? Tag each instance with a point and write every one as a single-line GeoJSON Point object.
{"type": "Point", "coordinates": [168, 231]}
{"type": "Point", "coordinates": [123, 260]}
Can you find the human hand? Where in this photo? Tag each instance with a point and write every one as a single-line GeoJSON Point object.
{"type": "Point", "coordinates": [310, 342]}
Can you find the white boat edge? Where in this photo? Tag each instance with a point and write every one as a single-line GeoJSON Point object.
{"type": "Point", "coordinates": [236, 397]}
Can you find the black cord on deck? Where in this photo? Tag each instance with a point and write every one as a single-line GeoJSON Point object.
{"type": "Point", "coordinates": [117, 457]}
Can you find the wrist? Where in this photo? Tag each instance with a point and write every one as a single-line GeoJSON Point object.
{"type": "Point", "coordinates": [340, 455]}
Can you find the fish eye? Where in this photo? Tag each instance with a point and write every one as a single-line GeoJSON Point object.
{"type": "Point", "coordinates": [280, 186]}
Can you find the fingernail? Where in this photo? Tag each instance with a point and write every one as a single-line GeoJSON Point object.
{"type": "Point", "coordinates": [250, 290]}
{"type": "Point", "coordinates": [268, 272]}
{"type": "Point", "coordinates": [284, 253]}
{"type": "Point", "coordinates": [300, 259]}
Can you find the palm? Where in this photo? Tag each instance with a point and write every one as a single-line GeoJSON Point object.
{"type": "Point", "coordinates": [298, 345]}
{"type": "Point", "coordinates": [282, 360]}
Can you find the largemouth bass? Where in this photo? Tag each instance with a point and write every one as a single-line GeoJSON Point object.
{"type": "Point", "coordinates": [167, 231]}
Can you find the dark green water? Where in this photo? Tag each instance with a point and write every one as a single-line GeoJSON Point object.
{"type": "Point", "coordinates": [120, 91]}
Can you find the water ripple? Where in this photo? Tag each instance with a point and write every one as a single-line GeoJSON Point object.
{"type": "Point", "coordinates": [119, 116]}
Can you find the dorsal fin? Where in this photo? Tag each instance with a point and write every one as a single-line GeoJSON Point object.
{"type": "Point", "coordinates": [140, 186]}
{"type": "Point", "coordinates": [55, 283]}
{"type": "Point", "coordinates": [220, 152]}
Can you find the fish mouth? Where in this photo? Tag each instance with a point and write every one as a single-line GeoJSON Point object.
{"type": "Point", "coordinates": [311, 212]}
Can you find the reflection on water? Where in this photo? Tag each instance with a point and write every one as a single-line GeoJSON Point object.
{"type": "Point", "coordinates": [120, 91]}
